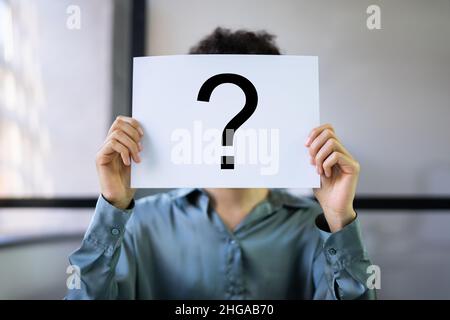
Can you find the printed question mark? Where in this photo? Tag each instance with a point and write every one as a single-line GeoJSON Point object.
{"type": "Point", "coordinates": [251, 101]}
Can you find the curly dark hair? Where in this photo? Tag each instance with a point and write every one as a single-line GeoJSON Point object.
{"type": "Point", "coordinates": [225, 41]}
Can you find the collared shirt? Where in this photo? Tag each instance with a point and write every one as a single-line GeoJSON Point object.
{"type": "Point", "coordinates": [175, 246]}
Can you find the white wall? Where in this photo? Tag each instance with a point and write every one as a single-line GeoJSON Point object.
{"type": "Point", "coordinates": [76, 68]}
{"type": "Point", "coordinates": [386, 91]}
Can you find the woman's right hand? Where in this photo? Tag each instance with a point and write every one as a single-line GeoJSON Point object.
{"type": "Point", "coordinates": [113, 161]}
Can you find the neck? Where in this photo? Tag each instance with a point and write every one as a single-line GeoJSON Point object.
{"type": "Point", "coordinates": [233, 205]}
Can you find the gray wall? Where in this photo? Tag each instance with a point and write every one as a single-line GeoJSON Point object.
{"type": "Point", "coordinates": [386, 92]}
{"type": "Point", "coordinates": [35, 271]}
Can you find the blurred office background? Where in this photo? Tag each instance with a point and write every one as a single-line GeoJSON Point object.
{"type": "Point", "coordinates": [386, 92]}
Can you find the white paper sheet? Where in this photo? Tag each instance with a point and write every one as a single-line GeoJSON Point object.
{"type": "Point", "coordinates": [183, 136]}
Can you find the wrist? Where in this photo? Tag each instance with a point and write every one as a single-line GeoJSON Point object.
{"type": "Point", "coordinates": [120, 203]}
{"type": "Point", "coordinates": [338, 220]}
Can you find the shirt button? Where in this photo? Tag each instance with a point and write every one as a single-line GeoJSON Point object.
{"type": "Point", "coordinates": [115, 231]}
{"type": "Point", "coordinates": [332, 251]}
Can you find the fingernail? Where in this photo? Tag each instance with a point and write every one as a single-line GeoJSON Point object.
{"type": "Point", "coordinates": [141, 131]}
{"type": "Point", "coordinates": [140, 146]}
{"type": "Point", "coordinates": [307, 141]}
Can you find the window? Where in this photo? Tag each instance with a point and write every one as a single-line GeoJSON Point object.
{"type": "Point", "coordinates": [58, 89]}
{"type": "Point", "coordinates": [55, 97]}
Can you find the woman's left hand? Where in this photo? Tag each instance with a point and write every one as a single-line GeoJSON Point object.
{"type": "Point", "coordinates": [339, 173]}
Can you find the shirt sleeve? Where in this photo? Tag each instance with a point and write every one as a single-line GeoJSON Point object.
{"type": "Point", "coordinates": [341, 263]}
{"type": "Point", "coordinates": [105, 261]}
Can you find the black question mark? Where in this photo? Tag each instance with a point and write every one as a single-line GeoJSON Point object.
{"type": "Point", "coordinates": [251, 101]}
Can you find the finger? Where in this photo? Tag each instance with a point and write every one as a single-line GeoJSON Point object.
{"type": "Point", "coordinates": [114, 146]}
{"type": "Point", "coordinates": [328, 148]}
{"type": "Point", "coordinates": [319, 141]}
{"type": "Point", "coordinates": [132, 122]}
{"type": "Point", "coordinates": [345, 163]}
{"type": "Point", "coordinates": [124, 139]}
{"type": "Point", "coordinates": [131, 131]}
{"type": "Point", "coordinates": [316, 132]}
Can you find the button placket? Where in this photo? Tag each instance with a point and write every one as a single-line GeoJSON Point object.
{"type": "Point", "coordinates": [234, 270]}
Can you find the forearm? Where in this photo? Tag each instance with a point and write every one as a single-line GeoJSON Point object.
{"type": "Point", "coordinates": [344, 263]}
{"type": "Point", "coordinates": [99, 254]}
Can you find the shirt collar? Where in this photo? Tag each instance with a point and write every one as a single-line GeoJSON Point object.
{"type": "Point", "coordinates": [282, 198]}
{"type": "Point", "coordinates": [184, 192]}
{"type": "Point", "coordinates": [277, 198]}
{"type": "Point", "coordinates": [193, 196]}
